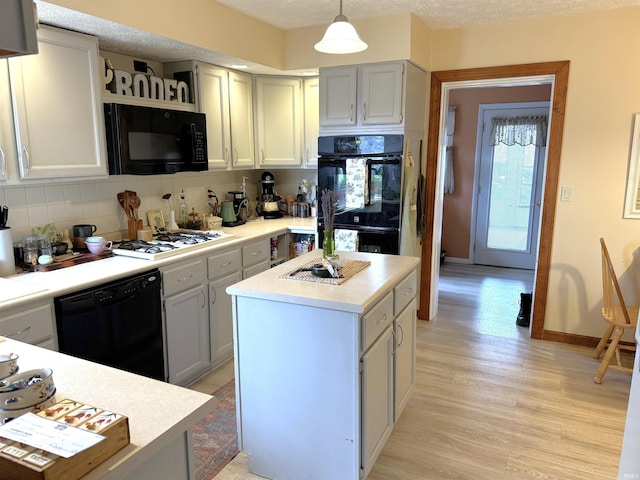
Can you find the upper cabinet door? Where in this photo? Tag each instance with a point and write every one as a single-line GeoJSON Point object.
{"type": "Point", "coordinates": [213, 98]}
{"type": "Point", "coordinates": [338, 96]}
{"type": "Point", "coordinates": [382, 93]}
{"type": "Point", "coordinates": [7, 141]}
{"type": "Point", "coordinates": [57, 105]}
{"type": "Point", "coordinates": [279, 121]}
{"type": "Point", "coordinates": [311, 119]}
{"type": "Point", "coordinates": [241, 105]}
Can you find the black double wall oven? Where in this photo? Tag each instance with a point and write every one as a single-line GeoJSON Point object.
{"type": "Point", "coordinates": [378, 221]}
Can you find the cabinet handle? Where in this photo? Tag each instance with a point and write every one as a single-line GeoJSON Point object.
{"type": "Point", "coordinates": [15, 335]}
{"type": "Point", "coordinates": [402, 334]}
{"type": "Point", "coordinates": [351, 113]}
{"type": "Point", "coordinates": [382, 319]}
{"type": "Point", "coordinates": [364, 111]}
{"type": "Point", "coordinates": [3, 167]}
{"type": "Point", "coordinates": [225, 265]}
{"type": "Point", "coordinates": [396, 345]}
{"type": "Point", "coordinates": [204, 300]}
{"type": "Point", "coordinates": [26, 164]}
{"type": "Point", "coordinates": [184, 279]}
{"type": "Point", "coordinates": [226, 156]}
{"type": "Point", "coordinates": [235, 156]}
{"type": "Point", "coordinates": [261, 156]}
{"type": "Point", "coordinates": [409, 291]}
{"type": "Point", "coordinates": [215, 297]}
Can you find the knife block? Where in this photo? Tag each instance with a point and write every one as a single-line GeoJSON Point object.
{"type": "Point", "coordinates": [132, 228]}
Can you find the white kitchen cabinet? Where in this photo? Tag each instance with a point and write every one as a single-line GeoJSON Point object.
{"type": "Point", "coordinates": [311, 121]}
{"type": "Point", "coordinates": [224, 270]}
{"type": "Point", "coordinates": [18, 28]}
{"type": "Point", "coordinates": [404, 327]}
{"type": "Point", "coordinates": [33, 324]}
{"type": "Point", "coordinates": [331, 350]}
{"type": "Point", "coordinates": [186, 321]}
{"type": "Point", "coordinates": [372, 97]}
{"type": "Point", "coordinates": [226, 97]}
{"type": "Point", "coordinates": [7, 139]}
{"type": "Point", "coordinates": [255, 257]}
{"type": "Point", "coordinates": [57, 107]}
{"type": "Point", "coordinates": [279, 121]}
{"type": "Point", "coordinates": [376, 389]}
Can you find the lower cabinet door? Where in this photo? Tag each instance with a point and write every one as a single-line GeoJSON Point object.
{"type": "Point", "coordinates": [404, 358]}
{"type": "Point", "coordinates": [221, 318]}
{"type": "Point", "coordinates": [376, 397]}
{"type": "Point", "coordinates": [187, 327]}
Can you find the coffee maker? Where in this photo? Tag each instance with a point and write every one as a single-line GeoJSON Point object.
{"type": "Point", "coordinates": [238, 215]}
{"type": "Point", "coordinates": [268, 207]}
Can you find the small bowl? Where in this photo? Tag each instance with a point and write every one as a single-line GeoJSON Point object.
{"type": "Point", "coordinates": [30, 388]}
{"type": "Point", "coordinates": [59, 248]}
{"type": "Point", "coordinates": [8, 415]}
{"type": "Point", "coordinates": [8, 365]}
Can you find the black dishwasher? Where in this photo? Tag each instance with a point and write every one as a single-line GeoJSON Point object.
{"type": "Point", "coordinates": [117, 324]}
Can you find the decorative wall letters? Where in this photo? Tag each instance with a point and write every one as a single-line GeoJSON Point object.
{"type": "Point", "coordinates": [142, 85]}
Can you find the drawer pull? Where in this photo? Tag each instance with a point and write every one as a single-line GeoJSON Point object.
{"type": "Point", "coordinates": [409, 291]}
{"type": "Point", "coordinates": [185, 278]}
{"type": "Point", "coordinates": [24, 332]}
{"type": "Point", "coordinates": [382, 319]}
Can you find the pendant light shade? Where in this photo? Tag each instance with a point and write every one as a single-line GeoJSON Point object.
{"type": "Point", "coordinates": [341, 37]}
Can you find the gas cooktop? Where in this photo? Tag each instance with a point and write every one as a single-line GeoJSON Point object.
{"type": "Point", "coordinates": [169, 244]}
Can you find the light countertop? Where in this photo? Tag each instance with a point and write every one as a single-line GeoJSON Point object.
{"type": "Point", "coordinates": [32, 286]}
{"type": "Point", "coordinates": [158, 412]}
{"type": "Point", "coordinates": [356, 294]}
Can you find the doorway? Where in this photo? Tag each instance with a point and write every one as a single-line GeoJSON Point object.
{"type": "Point", "coordinates": [558, 74]}
{"type": "Point", "coordinates": [509, 184]}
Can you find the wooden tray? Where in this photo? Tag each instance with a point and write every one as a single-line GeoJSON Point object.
{"type": "Point", "coordinates": [67, 260]}
{"type": "Point", "coordinates": [22, 462]}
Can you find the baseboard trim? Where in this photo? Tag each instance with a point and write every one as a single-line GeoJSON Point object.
{"type": "Point", "coordinates": [573, 339]}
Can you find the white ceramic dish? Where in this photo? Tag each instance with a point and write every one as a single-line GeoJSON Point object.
{"type": "Point", "coordinates": [30, 388]}
{"type": "Point", "coordinates": [8, 365]}
{"type": "Point", "coordinates": [8, 415]}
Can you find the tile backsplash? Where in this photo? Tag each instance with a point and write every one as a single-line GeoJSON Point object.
{"type": "Point", "coordinates": [95, 202]}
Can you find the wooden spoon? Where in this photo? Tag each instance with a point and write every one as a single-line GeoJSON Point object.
{"type": "Point", "coordinates": [134, 203]}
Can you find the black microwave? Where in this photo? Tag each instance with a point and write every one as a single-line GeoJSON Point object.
{"type": "Point", "coordinates": [150, 141]}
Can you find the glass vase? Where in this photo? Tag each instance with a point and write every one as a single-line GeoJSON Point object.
{"type": "Point", "coordinates": [328, 244]}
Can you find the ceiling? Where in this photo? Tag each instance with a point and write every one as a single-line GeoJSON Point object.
{"type": "Point", "coordinates": [287, 14]}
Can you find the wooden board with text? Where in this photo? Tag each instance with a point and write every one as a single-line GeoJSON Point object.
{"type": "Point", "coordinates": [23, 462]}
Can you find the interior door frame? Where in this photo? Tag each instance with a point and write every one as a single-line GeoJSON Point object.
{"type": "Point", "coordinates": [560, 73]}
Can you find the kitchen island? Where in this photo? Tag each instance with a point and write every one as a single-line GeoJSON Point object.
{"type": "Point", "coordinates": [323, 371]}
{"type": "Point", "coordinates": [160, 414]}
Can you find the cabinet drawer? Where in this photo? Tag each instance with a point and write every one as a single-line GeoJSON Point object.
{"type": "Point", "coordinates": [180, 277]}
{"type": "Point", "coordinates": [223, 264]}
{"type": "Point", "coordinates": [255, 253]}
{"type": "Point", "coordinates": [376, 320]}
{"type": "Point", "coordinates": [404, 292]}
{"type": "Point", "coordinates": [33, 325]}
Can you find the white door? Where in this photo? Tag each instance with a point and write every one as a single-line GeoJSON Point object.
{"type": "Point", "coordinates": [509, 193]}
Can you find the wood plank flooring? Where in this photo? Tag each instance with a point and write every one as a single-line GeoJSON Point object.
{"type": "Point", "coordinates": [490, 403]}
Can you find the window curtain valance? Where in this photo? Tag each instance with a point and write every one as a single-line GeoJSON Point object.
{"type": "Point", "coordinates": [531, 130]}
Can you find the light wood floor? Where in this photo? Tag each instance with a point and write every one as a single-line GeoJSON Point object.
{"type": "Point", "coordinates": [490, 403]}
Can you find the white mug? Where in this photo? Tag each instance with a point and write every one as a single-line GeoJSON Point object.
{"type": "Point", "coordinates": [98, 247]}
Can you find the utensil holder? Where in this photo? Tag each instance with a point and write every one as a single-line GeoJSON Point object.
{"type": "Point", "coordinates": [132, 228]}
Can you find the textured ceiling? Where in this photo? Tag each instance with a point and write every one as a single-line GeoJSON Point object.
{"type": "Point", "coordinates": [288, 14]}
{"type": "Point", "coordinates": [434, 13]}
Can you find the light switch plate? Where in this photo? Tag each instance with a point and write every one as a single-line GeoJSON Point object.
{"type": "Point", "coordinates": [566, 193]}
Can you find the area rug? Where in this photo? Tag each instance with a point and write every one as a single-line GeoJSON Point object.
{"type": "Point", "coordinates": [215, 437]}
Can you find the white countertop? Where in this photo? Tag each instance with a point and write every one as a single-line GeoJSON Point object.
{"type": "Point", "coordinates": [31, 286]}
{"type": "Point", "coordinates": [158, 412]}
{"type": "Point", "coordinates": [356, 294]}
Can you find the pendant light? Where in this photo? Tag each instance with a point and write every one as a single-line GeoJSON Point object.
{"type": "Point", "coordinates": [341, 37]}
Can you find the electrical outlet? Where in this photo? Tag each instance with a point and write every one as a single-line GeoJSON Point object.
{"type": "Point", "coordinates": [140, 66]}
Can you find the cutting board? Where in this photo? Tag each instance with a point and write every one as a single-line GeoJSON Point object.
{"type": "Point", "coordinates": [67, 260]}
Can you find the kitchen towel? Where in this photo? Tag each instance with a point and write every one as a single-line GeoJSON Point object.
{"type": "Point", "coordinates": [357, 172]}
{"type": "Point", "coordinates": [346, 240]}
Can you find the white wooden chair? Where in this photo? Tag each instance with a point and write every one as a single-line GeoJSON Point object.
{"type": "Point", "coordinates": [619, 315]}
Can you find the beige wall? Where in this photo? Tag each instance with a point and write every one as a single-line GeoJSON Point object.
{"type": "Point", "coordinates": [456, 217]}
{"type": "Point", "coordinates": [602, 95]}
